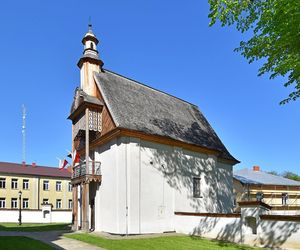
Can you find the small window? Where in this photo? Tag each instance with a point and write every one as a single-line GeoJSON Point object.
{"type": "Point", "coordinates": [14, 203]}
{"type": "Point", "coordinates": [45, 185]}
{"type": "Point", "coordinates": [285, 199]}
{"type": "Point", "coordinates": [196, 187]}
{"type": "Point", "coordinates": [58, 186]}
{"type": "Point", "coordinates": [25, 184]}
{"type": "Point", "coordinates": [2, 182]}
{"type": "Point", "coordinates": [251, 224]}
{"type": "Point", "coordinates": [92, 45]}
{"type": "Point", "coordinates": [70, 204]}
{"type": "Point", "coordinates": [2, 202]}
{"type": "Point", "coordinates": [70, 187]}
{"type": "Point", "coordinates": [45, 201]}
{"type": "Point", "coordinates": [25, 203]}
{"type": "Point", "coordinates": [58, 203]}
{"type": "Point", "coordinates": [14, 183]}
{"type": "Point", "coordinates": [259, 196]}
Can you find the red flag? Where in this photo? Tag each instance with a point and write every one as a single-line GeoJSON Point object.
{"type": "Point", "coordinates": [76, 157]}
{"type": "Point", "coordinates": [63, 164]}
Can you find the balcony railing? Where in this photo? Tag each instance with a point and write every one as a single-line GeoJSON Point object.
{"type": "Point", "coordinates": [93, 168]}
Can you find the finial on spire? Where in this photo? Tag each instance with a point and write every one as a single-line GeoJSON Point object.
{"type": "Point", "coordinates": [90, 24]}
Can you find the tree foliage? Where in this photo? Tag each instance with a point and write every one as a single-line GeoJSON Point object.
{"type": "Point", "coordinates": [273, 172]}
{"type": "Point", "coordinates": [291, 175]}
{"type": "Point", "coordinates": [275, 27]}
{"type": "Point", "coordinates": [287, 174]}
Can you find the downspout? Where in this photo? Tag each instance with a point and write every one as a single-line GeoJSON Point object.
{"type": "Point", "coordinates": [140, 186]}
{"type": "Point", "coordinates": [38, 193]}
{"type": "Point", "coordinates": [126, 188]}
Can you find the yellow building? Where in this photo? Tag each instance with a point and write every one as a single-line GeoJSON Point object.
{"type": "Point", "coordinates": [37, 185]}
{"type": "Point", "coordinates": [280, 193]}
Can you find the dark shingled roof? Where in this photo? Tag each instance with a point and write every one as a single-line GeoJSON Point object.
{"type": "Point", "coordinates": [16, 168]}
{"type": "Point", "coordinates": [248, 176]}
{"type": "Point", "coordinates": [80, 97]}
{"type": "Point", "coordinates": [139, 107]}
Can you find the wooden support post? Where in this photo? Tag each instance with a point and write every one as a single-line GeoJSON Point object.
{"type": "Point", "coordinates": [86, 194]}
{"type": "Point", "coordinates": [75, 207]}
{"type": "Point", "coordinates": [85, 207]}
{"type": "Point", "coordinates": [87, 200]}
{"type": "Point", "coordinates": [81, 205]}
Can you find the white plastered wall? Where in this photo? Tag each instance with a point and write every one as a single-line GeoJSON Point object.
{"type": "Point", "coordinates": [148, 182]}
{"type": "Point", "coordinates": [36, 216]}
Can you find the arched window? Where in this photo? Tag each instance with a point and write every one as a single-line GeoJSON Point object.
{"type": "Point", "coordinates": [92, 45]}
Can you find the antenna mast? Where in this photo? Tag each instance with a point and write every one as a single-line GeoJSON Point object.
{"type": "Point", "coordinates": [23, 134]}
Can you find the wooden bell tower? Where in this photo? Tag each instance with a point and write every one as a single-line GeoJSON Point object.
{"type": "Point", "coordinates": [86, 116]}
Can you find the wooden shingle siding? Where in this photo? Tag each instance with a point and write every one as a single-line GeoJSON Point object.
{"type": "Point", "coordinates": [107, 121]}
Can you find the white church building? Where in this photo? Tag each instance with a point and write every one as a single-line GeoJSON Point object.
{"type": "Point", "coordinates": [145, 155]}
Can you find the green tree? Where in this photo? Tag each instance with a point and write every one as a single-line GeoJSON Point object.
{"type": "Point", "coordinates": [291, 175]}
{"type": "Point", "coordinates": [273, 172]}
{"type": "Point", "coordinates": [275, 29]}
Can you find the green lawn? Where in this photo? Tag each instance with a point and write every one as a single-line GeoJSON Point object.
{"type": "Point", "coordinates": [22, 243]}
{"type": "Point", "coordinates": [165, 243]}
{"type": "Point", "coordinates": [33, 227]}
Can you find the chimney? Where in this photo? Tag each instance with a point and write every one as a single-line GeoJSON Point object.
{"type": "Point", "coordinates": [33, 164]}
{"type": "Point", "coordinates": [256, 168]}
{"type": "Point", "coordinates": [23, 164]}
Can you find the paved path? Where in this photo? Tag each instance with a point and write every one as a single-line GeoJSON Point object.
{"type": "Point", "coordinates": [55, 239]}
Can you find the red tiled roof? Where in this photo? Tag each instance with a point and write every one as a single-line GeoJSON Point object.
{"type": "Point", "coordinates": [16, 168]}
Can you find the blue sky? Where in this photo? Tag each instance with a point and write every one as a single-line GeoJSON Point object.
{"type": "Point", "coordinates": [165, 44]}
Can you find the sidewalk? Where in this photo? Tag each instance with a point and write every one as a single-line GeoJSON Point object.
{"type": "Point", "coordinates": [54, 238]}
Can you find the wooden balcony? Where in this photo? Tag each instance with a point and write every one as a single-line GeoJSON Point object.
{"type": "Point", "coordinates": [84, 173]}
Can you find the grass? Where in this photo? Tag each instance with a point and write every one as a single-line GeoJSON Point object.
{"type": "Point", "coordinates": [22, 243]}
{"type": "Point", "coordinates": [33, 227]}
{"type": "Point", "coordinates": [164, 243]}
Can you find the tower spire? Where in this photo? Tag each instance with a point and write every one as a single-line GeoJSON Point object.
{"type": "Point", "coordinates": [89, 61]}
{"type": "Point", "coordinates": [90, 52]}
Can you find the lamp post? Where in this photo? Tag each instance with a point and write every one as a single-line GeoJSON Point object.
{"type": "Point", "coordinates": [20, 215]}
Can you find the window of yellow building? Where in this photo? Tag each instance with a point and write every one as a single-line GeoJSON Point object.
{"type": "Point", "coordinates": [69, 187]}
{"type": "Point", "coordinates": [58, 186]}
{"type": "Point", "coordinates": [14, 183]}
{"type": "Point", "coordinates": [25, 184]}
{"type": "Point", "coordinates": [2, 182]}
{"type": "Point", "coordinates": [70, 204]}
{"type": "Point", "coordinates": [45, 185]}
{"type": "Point", "coordinates": [45, 201]}
{"type": "Point", "coordinates": [58, 203]}
{"type": "Point", "coordinates": [2, 202]}
{"type": "Point", "coordinates": [14, 203]}
{"type": "Point", "coordinates": [25, 203]}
